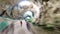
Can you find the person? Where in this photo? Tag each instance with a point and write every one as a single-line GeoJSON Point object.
{"type": "Point", "coordinates": [30, 6]}
{"type": "Point", "coordinates": [17, 11]}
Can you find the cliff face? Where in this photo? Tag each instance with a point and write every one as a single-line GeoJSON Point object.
{"type": "Point", "coordinates": [49, 16]}
{"type": "Point", "coordinates": [50, 12]}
